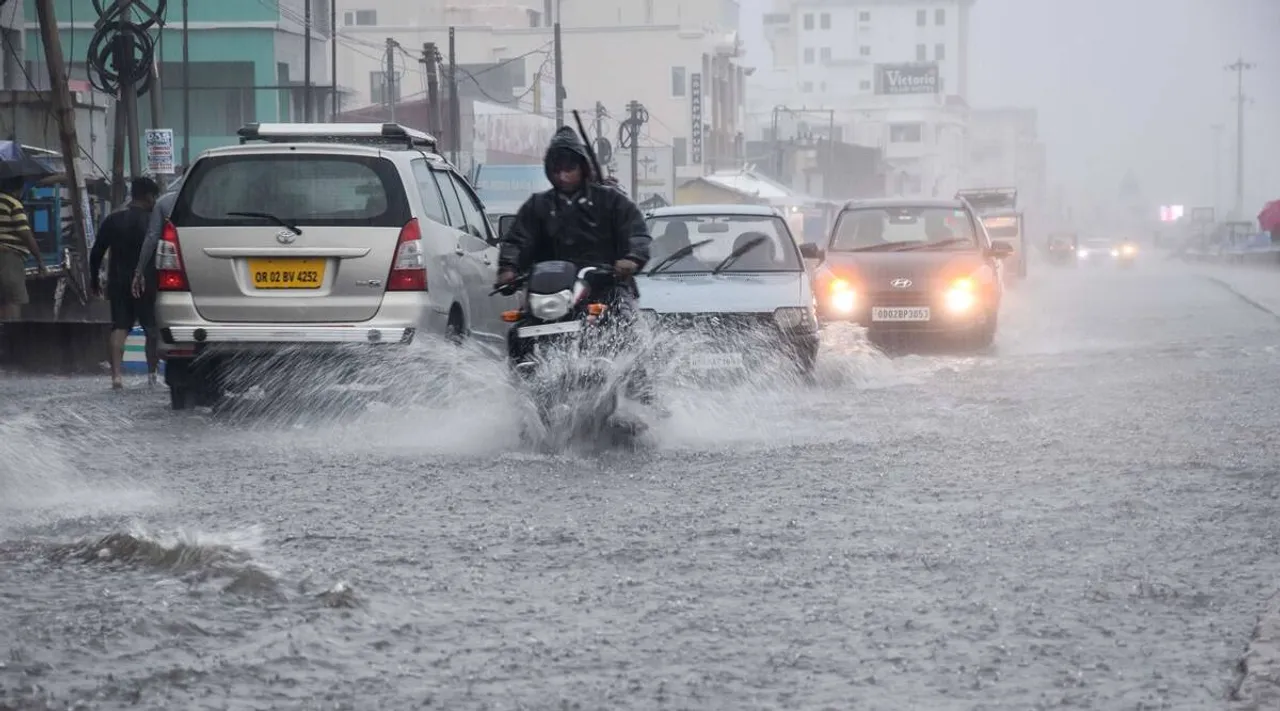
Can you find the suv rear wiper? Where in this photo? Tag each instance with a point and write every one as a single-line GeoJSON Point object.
{"type": "Point", "coordinates": [268, 216]}
{"type": "Point", "coordinates": [677, 256]}
{"type": "Point", "coordinates": [737, 253]}
{"type": "Point", "coordinates": [932, 245]}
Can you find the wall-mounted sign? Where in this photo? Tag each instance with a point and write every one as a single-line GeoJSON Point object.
{"type": "Point", "coordinates": [915, 78]}
{"type": "Point", "coordinates": [695, 118]}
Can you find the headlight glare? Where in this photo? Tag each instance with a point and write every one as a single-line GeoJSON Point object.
{"type": "Point", "coordinates": [843, 298]}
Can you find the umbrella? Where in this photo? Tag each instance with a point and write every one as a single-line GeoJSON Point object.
{"type": "Point", "coordinates": [15, 163]}
{"type": "Point", "coordinates": [1269, 218]}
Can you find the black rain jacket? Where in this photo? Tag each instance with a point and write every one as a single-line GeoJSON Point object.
{"type": "Point", "coordinates": [599, 225]}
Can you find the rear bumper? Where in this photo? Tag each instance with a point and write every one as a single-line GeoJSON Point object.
{"type": "Point", "coordinates": [183, 332]}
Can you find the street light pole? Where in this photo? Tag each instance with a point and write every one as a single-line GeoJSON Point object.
{"type": "Point", "coordinates": [559, 60]}
{"type": "Point", "coordinates": [1239, 68]}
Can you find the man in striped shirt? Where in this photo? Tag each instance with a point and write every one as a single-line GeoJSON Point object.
{"type": "Point", "coordinates": [17, 243]}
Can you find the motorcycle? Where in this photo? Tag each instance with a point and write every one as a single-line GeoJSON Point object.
{"type": "Point", "coordinates": [563, 347]}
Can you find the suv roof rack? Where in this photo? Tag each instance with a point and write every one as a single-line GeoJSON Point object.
{"type": "Point", "coordinates": [381, 134]}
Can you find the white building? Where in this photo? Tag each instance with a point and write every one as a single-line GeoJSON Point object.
{"type": "Point", "coordinates": [656, 52]}
{"type": "Point", "coordinates": [894, 73]}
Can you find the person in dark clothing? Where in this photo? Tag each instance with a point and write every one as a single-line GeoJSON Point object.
{"type": "Point", "coordinates": [582, 220]}
{"type": "Point", "coordinates": [123, 233]}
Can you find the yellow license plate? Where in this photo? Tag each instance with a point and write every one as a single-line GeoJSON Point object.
{"type": "Point", "coordinates": [286, 273]}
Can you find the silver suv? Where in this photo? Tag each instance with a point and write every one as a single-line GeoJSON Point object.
{"type": "Point", "coordinates": [328, 239]}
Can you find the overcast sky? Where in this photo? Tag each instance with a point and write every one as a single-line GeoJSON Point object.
{"type": "Point", "coordinates": [1129, 85]}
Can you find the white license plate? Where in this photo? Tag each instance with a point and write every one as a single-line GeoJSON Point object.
{"type": "Point", "coordinates": [715, 361]}
{"type": "Point", "coordinates": [549, 329]}
{"type": "Point", "coordinates": [900, 313]}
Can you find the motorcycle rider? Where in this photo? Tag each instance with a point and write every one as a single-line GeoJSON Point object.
{"type": "Point", "coordinates": [583, 220]}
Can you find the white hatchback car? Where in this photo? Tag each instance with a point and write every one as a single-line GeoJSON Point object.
{"type": "Point", "coordinates": [319, 238]}
{"type": "Point", "coordinates": [735, 276]}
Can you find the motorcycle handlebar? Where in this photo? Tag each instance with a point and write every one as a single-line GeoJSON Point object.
{"type": "Point", "coordinates": [510, 287]}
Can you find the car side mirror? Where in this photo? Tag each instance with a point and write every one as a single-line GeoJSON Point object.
{"type": "Point", "coordinates": [1000, 250]}
{"type": "Point", "coordinates": [809, 250]}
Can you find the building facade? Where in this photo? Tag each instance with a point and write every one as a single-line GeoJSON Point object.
{"type": "Point", "coordinates": [246, 63]}
{"type": "Point", "coordinates": [1005, 151]}
{"type": "Point", "coordinates": [11, 39]}
{"type": "Point", "coordinates": [683, 67]}
{"type": "Point", "coordinates": [892, 75]}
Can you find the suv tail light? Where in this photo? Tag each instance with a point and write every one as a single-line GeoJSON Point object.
{"type": "Point", "coordinates": [409, 270]}
{"type": "Point", "coordinates": [170, 273]}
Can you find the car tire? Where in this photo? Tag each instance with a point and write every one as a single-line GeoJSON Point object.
{"type": "Point", "coordinates": [180, 398]}
{"type": "Point", "coordinates": [985, 336]}
{"type": "Point", "coordinates": [455, 331]}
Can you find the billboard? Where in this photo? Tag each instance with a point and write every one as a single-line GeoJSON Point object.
{"type": "Point", "coordinates": [1171, 213]}
{"type": "Point", "coordinates": [509, 131]}
{"type": "Point", "coordinates": [911, 78]}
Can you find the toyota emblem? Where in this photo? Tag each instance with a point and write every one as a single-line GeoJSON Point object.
{"type": "Point", "coordinates": [900, 283]}
{"type": "Point", "coordinates": [285, 237]}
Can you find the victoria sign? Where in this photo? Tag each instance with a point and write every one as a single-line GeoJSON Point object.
{"type": "Point", "coordinates": [921, 78]}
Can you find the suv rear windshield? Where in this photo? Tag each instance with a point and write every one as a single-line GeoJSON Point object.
{"type": "Point", "coordinates": [299, 189]}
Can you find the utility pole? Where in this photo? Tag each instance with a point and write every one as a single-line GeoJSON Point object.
{"type": "Point", "coordinates": [455, 106]}
{"type": "Point", "coordinates": [155, 95]}
{"type": "Point", "coordinates": [186, 87]}
{"type": "Point", "coordinates": [389, 83]}
{"type": "Point", "coordinates": [1239, 68]}
{"type": "Point", "coordinates": [333, 58]}
{"type": "Point", "coordinates": [431, 58]}
{"type": "Point", "coordinates": [1218, 129]}
{"type": "Point", "coordinates": [559, 61]}
{"type": "Point", "coordinates": [629, 139]}
{"type": "Point", "coordinates": [600, 114]}
{"type": "Point", "coordinates": [306, 62]}
{"type": "Point", "coordinates": [66, 118]}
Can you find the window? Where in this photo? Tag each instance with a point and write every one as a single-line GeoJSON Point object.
{"type": "Point", "coordinates": [922, 18]}
{"type": "Point", "coordinates": [359, 17]}
{"type": "Point", "coordinates": [864, 16]}
{"type": "Point", "coordinates": [864, 50]}
{"type": "Point", "coordinates": [808, 21]}
{"type": "Point", "coordinates": [922, 53]}
{"type": "Point", "coordinates": [808, 55]}
{"type": "Point", "coordinates": [451, 201]}
{"type": "Point", "coordinates": [476, 225]}
{"type": "Point", "coordinates": [378, 89]}
{"type": "Point", "coordinates": [904, 133]}
{"type": "Point", "coordinates": [807, 87]}
{"type": "Point", "coordinates": [307, 190]}
{"type": "Point", "coordinates": [939, 52]}
{"type": "Point", "coordinates": [864, 85]}
{"type": "Point", "coordinates": [431, 200]}
{"type": "Point", "coordinates": [678, 87]}
{"type": "Point", "coordinates": [940, 16]}
{"type": "Point", "coordinates": [826, 55]}
{"type": "Point", "coordinates": [825, 20]}
{"type": "Point", "coordinates": [680, 151]}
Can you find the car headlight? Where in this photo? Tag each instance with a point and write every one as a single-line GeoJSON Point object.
{"type": "Point", "coordinates": [1115, 253]}
{"type": "Point", "coordinates": [793, 318]}
{"type": "Point", "coordinates": [549, 307]}
{"type": "Point", "coordinates": [1129, 250]}
{"type": "Point", "coordinates": [842, 297]}
{"type": "Point", "coordinates": [961, 295]}
{"type": "Point", "coordinates": [1084, 253]}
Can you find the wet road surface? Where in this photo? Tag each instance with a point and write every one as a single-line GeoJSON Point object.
{"type": "Point", "coordinates": [1084, 519]}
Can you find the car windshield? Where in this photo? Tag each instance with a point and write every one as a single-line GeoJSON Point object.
{"type": "Point", "coordinates": [722, 235]}
{"type": "Point", "coordinates": [298, 189]}
{"type": "Point", "coordinates": [906, 227]}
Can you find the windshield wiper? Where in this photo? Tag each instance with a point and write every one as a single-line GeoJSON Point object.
{"type": "Point", "coordinates": [737, 253]}
{"type": "Point", "coordinates": [268, 216]}
{"type": "Point", "coordinates": [677, 256]}
{"type": "Point", "coordinates": [933, 245]}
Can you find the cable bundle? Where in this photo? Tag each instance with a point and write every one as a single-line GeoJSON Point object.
{"type": "Point", "coordinates": [122, 51]}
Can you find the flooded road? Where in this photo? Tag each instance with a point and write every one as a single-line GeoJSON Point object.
{"type": "Point", "coordinates": [1084, 519]}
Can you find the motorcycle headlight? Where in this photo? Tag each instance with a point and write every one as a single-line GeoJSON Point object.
{"type": "Point", "coordinates": [962, 295]}
{"type": "Point", "coordinates": [794, 318]}
{"type": "Point", "coordinates": [549, 307]}
{"type": "Point", "coordinates": [842, 297]}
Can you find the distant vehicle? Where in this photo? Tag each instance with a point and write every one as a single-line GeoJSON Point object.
{"type": "Point", "coordinates": [1099, 251]}
{"type": "Point", "coordinates": [998, 208]}
{"type": "Point", "coordinates": [1062, 249]}
{"type": "Point", "coordinates": [319, 239]}
{"type": "Point", "coordinates": [907, 267]}
{"type": "Point", "coordinates": [735, 274]}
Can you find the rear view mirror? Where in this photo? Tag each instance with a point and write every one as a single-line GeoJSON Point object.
{"type": "Point", "coordinates": [713, 228]}
{"type": "Point", "coordinates": [809, 250]}
{"type": "Point", "coordinates": [1000, 250]}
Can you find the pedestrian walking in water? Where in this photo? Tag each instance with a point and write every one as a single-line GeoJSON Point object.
{"type": "Point", "coordinates": [123, 233]}
{"type": "Point", "coordinates": [17, 242]}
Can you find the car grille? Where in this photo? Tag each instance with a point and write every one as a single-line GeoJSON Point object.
{"type": "Point", "coordinates": [717, 323]}
{"type": "Point", "coordinates": [900, 298]}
